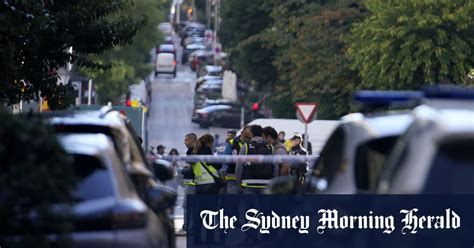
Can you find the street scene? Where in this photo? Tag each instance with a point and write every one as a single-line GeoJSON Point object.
{"type": "Point", "coordinates": [120, 116]}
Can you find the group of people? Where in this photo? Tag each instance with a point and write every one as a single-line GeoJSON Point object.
{"type": "Point", "coordinates": [243, 177]}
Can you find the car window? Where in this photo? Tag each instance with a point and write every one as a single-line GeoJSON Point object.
{"type": "Point", "coordinates": [370, 159]}
{"type": "Point", "coordinates": [452, 169]}
{"type": "Point", "coordinates": [94, 180]}
{"type": "Point", "coordinates": [330, 158]}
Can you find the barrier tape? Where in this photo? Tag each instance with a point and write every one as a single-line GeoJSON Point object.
{"type": "Point", "coordinates": [227, 159]}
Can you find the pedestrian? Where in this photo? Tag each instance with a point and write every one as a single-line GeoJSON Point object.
{"type": "Point", "coordinates": [233, 148]}
{"type": "Point", "coordinates": [271, 136]}
{"type": "Point", "coordinates": [160, 149]}
{"type": "Point", "coordinates": [173, 183]}
{"type": "Point", "coordinates": [173, 152]}
{"type": "Point", "coordinates": [298, 169]}
{"type": "Point", "coordinates": [287, 143]}
{"type": "Point", "coordinates": [281, 137]}
{"type": "Point", "coordinates": [206, 176]}
{"type": "Point", "coordinates": [254, 177]}
{"type": "Point", "coordinates": [188, 176]}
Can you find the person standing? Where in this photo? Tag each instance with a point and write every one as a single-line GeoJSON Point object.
{"type": "Point", "coordinates": [271, 136]}
{"type": "Point", "coordinates": [205, 175]}
{"type": "Point", "coordinates": [253, 177]}
{"type": "Point", "coordinates": [233, 148]}
{"type": "Point", "coordinates": [298, 169]}
{"type": "Point", "coordinates": [188, 175]}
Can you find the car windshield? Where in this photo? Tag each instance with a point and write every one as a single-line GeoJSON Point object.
{"type": "Point", "coordinates": [452, 169]}
{"type": "Point", "coordinates": [93, 178]}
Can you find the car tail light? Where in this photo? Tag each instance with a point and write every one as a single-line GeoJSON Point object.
{"type": "Point", "coordinates": [203, 115]}
{"type": "Point", "coordinates": [174, 62]}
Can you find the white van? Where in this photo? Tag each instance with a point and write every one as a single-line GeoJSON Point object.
{"type": "Point", "coordinates": [165, 64]}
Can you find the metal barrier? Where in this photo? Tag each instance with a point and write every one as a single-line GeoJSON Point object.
{"type": "Point", "coordinates": [237, 158]}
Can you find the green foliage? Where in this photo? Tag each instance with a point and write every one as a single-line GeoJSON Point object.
{"type": "Point", "coordinates": [310, 38]}
{"type": "Point", "coordinates": [37, 34]}
{"type": "Point", "coordinates": [407, 43]}
{"type": "Point", "coordinates": [131, 63]}
{"type": "Point", "coordinates": [35, 173]}
{"type": "Point", "coordinates": [242, 19]}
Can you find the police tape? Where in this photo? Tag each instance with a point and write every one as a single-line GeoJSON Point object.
{"type": "Point", "coordinates": [236, 158]}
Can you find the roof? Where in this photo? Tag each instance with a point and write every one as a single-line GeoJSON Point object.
{"type": "Point", "coordinates": [318, 130]}
{"type": "Point", "coordinates": [449, 120]}
{"type": "Point", "coordinates": [87, 144]}
{"type": "Point", "coordinates": [390, 123]}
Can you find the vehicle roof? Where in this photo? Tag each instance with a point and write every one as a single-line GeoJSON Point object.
{"type": "Point", "coordinates": [167, 46]}
{"type": "Point", "coordinates": [387, 124]}
{"type": "Point", "coordinates": [195, 46]}
{"type": "Point", "coordinates": [213, 68]}
{"type": "Point", "coordinates": [214, 107]}
{"type": "Point", "coordinates": [111, 119]}
{"type": "Point", "coordinates": [87, 144]}
{"type": "Point", "coordinates": [165, 54]}
{"type": "Point", "coordinates": [318, 130]}
{"type": "Point", "coordinates": [449, 120]}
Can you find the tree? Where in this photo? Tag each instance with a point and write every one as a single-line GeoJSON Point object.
{"type": "Point", "coordinates": [35, 37]}
{"type": "Point", "coordinates": [242, 19]}
{"type": "Point", "coordinates": [35, 173]}
{"type": "Point", "coordinates": [311, 40]}
{"type": "Point", "coordinates": [131, 62]}
{"type": "Point", "coordinates": [408, 43]}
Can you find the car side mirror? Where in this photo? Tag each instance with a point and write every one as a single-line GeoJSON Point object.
{"type": "Point", "coordinates": [164, 170]}
{"type": "Point", "coordinates": [284, 185]}
{"type": "Point", "coordinates": [161, 197]}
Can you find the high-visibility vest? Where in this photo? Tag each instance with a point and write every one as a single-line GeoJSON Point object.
{"type": "Point", "coordinates": [189, 182]}
{"type": "Point", "coordinates": [231, 176]}
{"type": "Point", "coordinates": [201, 175]}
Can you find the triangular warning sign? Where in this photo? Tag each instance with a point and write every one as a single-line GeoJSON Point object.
{"type": "Point", "coordinates": [307, 110]}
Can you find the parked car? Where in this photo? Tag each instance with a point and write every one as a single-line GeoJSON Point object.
{"type": "Point", "coordinates": [165, 64]}
{"type": "Point", "coordinates": [200, 58]}
{"type": "Point", "coordinates": [210, 102]}
{"type": "Point", "coordinates": [107, 211]}
{"type": "Point", "coordinates": [190, 49]}
{"type": "Point", "coordinates": [221, 116]}
{"type": "Point", "coordinates": [118, 128]}
{"type": "Point", "coordinates": [343, 166]}
{"type": "Point", "coordinates": [434, 155]}
{"type": "Point", "coordinates": [166, 28]}
{"type": "Point", "coordinates": [166, 48]}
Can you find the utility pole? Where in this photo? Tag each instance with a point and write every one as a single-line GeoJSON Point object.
{"type": "Point", "coordinates": [208, 13]}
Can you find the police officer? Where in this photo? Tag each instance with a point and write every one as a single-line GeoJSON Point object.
{"type": "Point", "coordinates": [298, 169]}
{"type": "Point", "coordinates": [254, 178]}
{"type": "Point", "coordinates": [206, 176]}
{"type": "Point", "coordinates": [188, 175]}
{"type": "Point", "coordinates": [233, 148]}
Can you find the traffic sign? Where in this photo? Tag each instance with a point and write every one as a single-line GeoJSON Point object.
{"type": "Point", "coordinates": [306, 111]}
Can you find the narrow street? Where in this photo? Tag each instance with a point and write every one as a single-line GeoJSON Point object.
{"type": "Point", "coordinates": [171, 110]}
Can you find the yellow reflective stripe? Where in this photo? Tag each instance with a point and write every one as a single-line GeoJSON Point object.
{"type": "Point", "coordinates": [190, 183]}
{"type": "Point", "coordinates": [253, 186]}
{"type": "Point", "coordinates": [230, 178]}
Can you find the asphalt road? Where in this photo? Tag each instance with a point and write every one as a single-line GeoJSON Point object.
{"type": "Point", "coordinates": [171, 110]}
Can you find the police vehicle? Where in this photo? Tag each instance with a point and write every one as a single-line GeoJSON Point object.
{"type": "Point", "coordinates": [435, 154]}
{"type": "Point", "coordinates": [363, 139]}
{"type": "Point", "coordinates": [358, 138]}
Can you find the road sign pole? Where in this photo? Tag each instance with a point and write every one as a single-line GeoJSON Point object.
{"type": "Point", "coordinates": [305, 137]}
